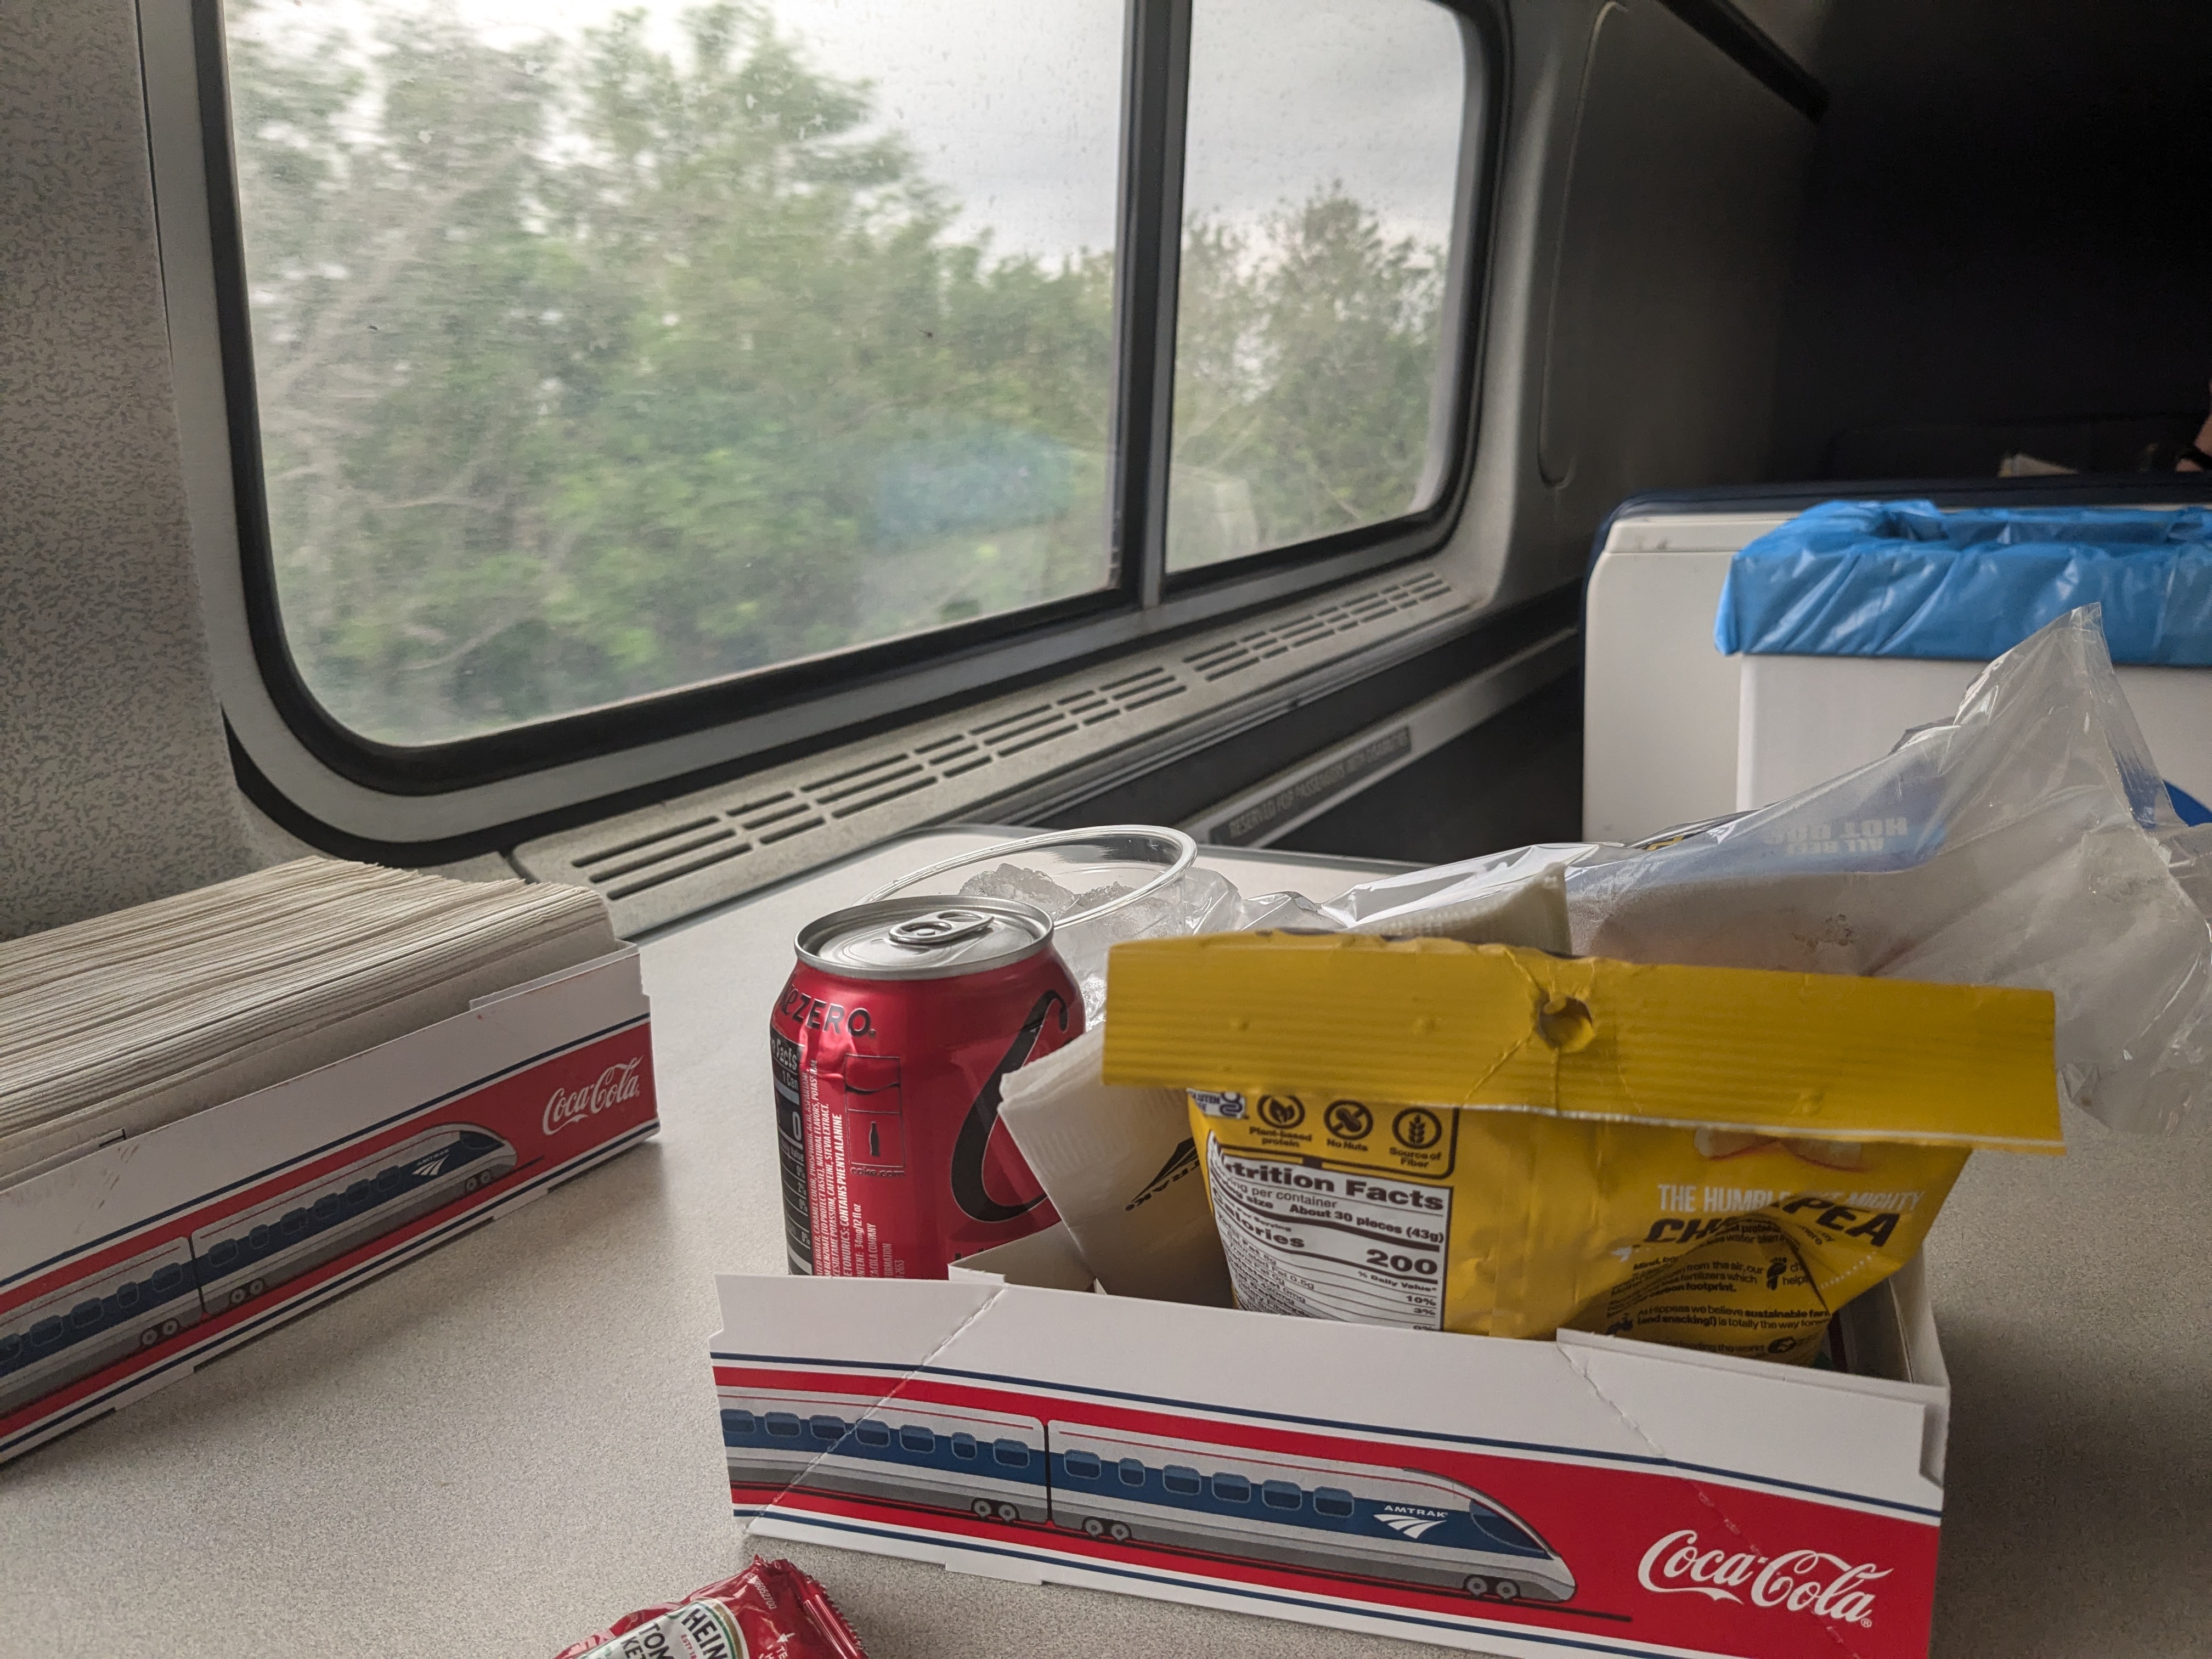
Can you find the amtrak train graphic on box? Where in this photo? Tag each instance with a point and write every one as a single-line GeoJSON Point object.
{"type": "Point", "coordinates": [1401, 1526]}
{"type": "Point", "coordinates": [84, 1327]}
{"type": "Point", "coordinates": [991, 1463]}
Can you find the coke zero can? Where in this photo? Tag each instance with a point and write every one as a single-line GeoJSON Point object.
{"type": "Point", "coordinates": [888, 1046]}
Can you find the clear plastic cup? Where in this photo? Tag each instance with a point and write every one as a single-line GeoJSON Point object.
{"type": "Point", "coordinates": [1099, 886]}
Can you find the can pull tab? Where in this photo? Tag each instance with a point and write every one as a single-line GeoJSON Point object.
{"type": "Point", "coordinates": [952, 927]}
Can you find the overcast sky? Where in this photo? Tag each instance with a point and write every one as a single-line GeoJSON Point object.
{"type": "Point", "coordinates": [1013, 105]}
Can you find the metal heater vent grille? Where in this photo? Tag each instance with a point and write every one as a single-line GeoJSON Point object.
{"type": "Point", "coordinates": [667, 861]}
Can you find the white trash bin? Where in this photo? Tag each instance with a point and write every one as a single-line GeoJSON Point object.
{"type": "Point", "coordinates": [1859, 620]}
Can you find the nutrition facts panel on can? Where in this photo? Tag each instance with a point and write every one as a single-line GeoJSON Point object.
{"type": "Point", "coordinates": [1331, 1245]}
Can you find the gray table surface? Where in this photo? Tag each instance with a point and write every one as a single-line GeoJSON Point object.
{"type": "Point", "coordinates": [501, 1447]}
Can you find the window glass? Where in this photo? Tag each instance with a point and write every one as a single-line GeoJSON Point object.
{"type": "Point", "coordinates": [1011, 1453]}
{"type": "Point", "coordinates": [870, 1432]}
{"type": "Point", "coordinates": [1503, 1533]}
{"type": "Point", "coordinates": [608, 346]}
{"type": "Point", "coordinates": [1281, 1494]}
{"type": "Point", "coordinates": [1132, 1472]}
{"type": "Point", "coordinates": [963, 1445]}
{"type": "Point", "coordinates": [826, 1428]}
{"type": "Point", "coordinates": [1232, 1488]}
{"type": "Point", "coordinates": [1081, 1466]}
{"type": "Point", "coordinates": [1180, 1477]}
{"type": "Point", "coordinates": [1332, 1500]}
{"type": "Point", "coordinates": [914, 1438]}
{"type": "Point", "coordinates": [1319, 185]}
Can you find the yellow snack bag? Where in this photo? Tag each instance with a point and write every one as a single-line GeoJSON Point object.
{"type": "Point", "coordinates": [1485, 1138]}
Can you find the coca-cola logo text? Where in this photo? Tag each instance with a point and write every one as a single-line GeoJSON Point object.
{"type": "Point", "coordinates": [612, 1087]}
{"type": "Point", "coordinates": [1802, 1581]}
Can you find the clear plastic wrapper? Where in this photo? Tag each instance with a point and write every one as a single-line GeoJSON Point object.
{"type": "Point", "coordinates": [1501, 898]}
{"type": "Point", "coordinates": [1196, 901]}
{"type": "Point", "coordinates": [2027, 841]}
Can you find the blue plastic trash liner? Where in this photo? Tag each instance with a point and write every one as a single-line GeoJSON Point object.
{"type": "Point", "coordinates": [1905, 579]}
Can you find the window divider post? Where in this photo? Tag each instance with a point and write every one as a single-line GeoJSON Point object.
{"type": "Point", "coordinates": [1158, 60]}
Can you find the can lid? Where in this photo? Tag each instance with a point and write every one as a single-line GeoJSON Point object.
{"type": "Point", "coordinates": [924, 937]}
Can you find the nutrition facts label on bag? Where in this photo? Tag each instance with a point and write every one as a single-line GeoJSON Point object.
{"type": "Point", "coordinates": [1330, 1245]}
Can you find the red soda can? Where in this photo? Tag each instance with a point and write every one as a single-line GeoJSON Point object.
{"type": "Point", "coordinates": [888, 1048]}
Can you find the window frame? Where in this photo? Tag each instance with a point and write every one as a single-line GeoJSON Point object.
{"type": "Point", "coordinates": [474, 793]}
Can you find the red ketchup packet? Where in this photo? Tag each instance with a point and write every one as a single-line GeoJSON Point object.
{"type": "Point", "coordinates": [770, 1611]}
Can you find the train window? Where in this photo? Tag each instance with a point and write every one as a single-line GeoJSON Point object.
{"type": "Point", "coordinates": [1332, 1500]}
{"type": "Point", "coordinates": [257, 1240]}
{"type": "Point", "coordinates": [1319, 186]}
{"type": "Point", "coordinates": [963, 1445]}
{"type": "Point", "coordinates": [736, 1422]}
{"type": "Point", "coordinates": [85, 1315]}
{"type": "Point", "coordinates": [166, 1279]}
{"type": "Point", "coordinates": [870, 1432]}
{"type": "Point", "coordinates": [1181, 1479]}
{"type": "Point", "coordinates": [597, 360]}
{"type": "Point", "coordinates": [1011, 1453]}
{"type": "Point", "coordinates": [325, 1208]}
{"type": "Point", "coordinates": [225, 1251]}
{"type": "Point", "coordinates": [387, 1181]}
{"type": "Point", "coordinates": [1132, 1472]}
{"type": "Point", "coordinates": [293, 1223]}
{"type": "Point", "coordinates": [915, 1439]}
{"type": "Point", "coordinates": [1232, 1489]}
{"type": "Point", "coordinates": [1281, 1494]}
{"type": "Point", "coordinates": [826, 1428]}
{"type": "Point", "coordinates": [46, 1331]}
{"type": "Point", "coordinates": [585, 355]}
{"type": "Point", "coordinates": [127, 1296]}
{"type": "Point", "coordinates": [357, 1195]}
{"type": "Point", "coordinates": [1082, 1466]}
{"type": "Point", "coordinates": [1503, 1532]}
{"type": "Point", "coordinates": [783, 1424]}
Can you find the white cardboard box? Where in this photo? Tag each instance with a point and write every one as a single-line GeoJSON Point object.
{"type": "Point", "coordinates": [122, 1268]}
{"type": "Point", "coordinates": [1586, 1495]}
{"type": "Point", "coordinates": [1802, 721]}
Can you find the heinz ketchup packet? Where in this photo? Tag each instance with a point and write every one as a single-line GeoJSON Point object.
{"type": "Point", "coordinates": [770, 1611]}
